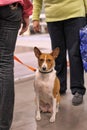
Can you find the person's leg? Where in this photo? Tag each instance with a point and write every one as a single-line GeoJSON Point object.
{"type": "Point", "coordinates": [56, 32]}
{"type": "Point", "coordinates": [9, 26]}
{"type": "Point", "coordinates": [72, 28]}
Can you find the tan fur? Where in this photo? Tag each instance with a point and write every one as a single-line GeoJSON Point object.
{"type": "Point", "coordinates": [49, 60]}
{"type": "Point", "coordinates": [56, 89]}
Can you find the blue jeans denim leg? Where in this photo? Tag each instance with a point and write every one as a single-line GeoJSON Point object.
{"type": "Point", "coordinates": [10, 21]}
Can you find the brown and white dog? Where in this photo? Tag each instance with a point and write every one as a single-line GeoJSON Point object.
{"type": "Point", "coordinates": [46, 84]}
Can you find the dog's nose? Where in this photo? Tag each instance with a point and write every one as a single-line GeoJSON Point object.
{"type": "Point", "coordinates": [44, 68]}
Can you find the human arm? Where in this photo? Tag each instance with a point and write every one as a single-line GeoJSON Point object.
{"type": "Point", "coordinates": [27, 11]}
{"type": "Point", "coordinates": [37, 6]}
{"type": "Point", "coordinates": [25, 25]}
{"type": "Point", "coordinates": [36, 26]}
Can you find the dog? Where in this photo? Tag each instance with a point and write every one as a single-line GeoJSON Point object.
{"type": "Point", "coordinates": [46, 84]}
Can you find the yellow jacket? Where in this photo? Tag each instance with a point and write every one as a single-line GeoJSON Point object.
{"type": "Point", "coordinates": [57, 10]}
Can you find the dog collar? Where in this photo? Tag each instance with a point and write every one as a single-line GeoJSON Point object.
{"type": "Point", "coordinates": [45, 72]}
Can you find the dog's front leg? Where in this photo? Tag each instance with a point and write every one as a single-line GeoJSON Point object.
{"type": "Point", "coordinates": [52, 119]}
{"type": "Point", "coordinates": [38, 116]}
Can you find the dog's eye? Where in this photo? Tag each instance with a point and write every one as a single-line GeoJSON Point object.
{"type": "Point", "coordinates": [41, 60]}
{"type": "Point", "coordinates": [48, 60]}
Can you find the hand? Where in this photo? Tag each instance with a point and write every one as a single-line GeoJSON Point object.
{"type": "Point", "coordinates": [25, 25]}
{"type": "Point", "coordinates": [36, 26]}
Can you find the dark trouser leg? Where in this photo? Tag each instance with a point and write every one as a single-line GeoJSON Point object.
{"type": "Point", "coordinates": [58, 40]}
{"type": "Point", "coordinates": [9, 26]}
{"type": "Point", "coordinates": [72, 28]}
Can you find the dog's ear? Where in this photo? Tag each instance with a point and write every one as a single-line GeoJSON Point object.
{"type": "Point", "coordinates": [37, 52]}
{"type": "Point", "coordinates": [55, 52]}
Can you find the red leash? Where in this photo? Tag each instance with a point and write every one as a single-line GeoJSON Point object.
{"type": "Point", "coordinates": [29, 67]}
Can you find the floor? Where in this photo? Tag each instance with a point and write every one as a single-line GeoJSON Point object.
{"type": "Point", "coordinates": [69, 117]}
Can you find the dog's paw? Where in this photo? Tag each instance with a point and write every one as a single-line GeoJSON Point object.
{"type": "Point", "coordinates": [38, 117]}
{"type": "Point", "coordinates": [52, 119]}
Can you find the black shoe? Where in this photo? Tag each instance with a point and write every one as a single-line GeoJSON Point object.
{"type": "Point", "coordinates": [77, 99]}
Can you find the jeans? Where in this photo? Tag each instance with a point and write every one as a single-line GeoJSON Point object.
{"type": "Point", "coordinates": [10, 21]}
{"type": "Point", "coordinates": [65, 35]}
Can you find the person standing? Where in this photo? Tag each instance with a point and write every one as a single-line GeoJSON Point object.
{"type": "Point", "coordinates": [12, 13]}
{"type": "Point", "coordinates": [64, 20]}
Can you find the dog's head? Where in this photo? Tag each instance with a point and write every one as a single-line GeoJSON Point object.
{"type": "Point", "coordinates": [46, 61]}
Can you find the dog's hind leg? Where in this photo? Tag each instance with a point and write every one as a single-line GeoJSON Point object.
{"type": "Point", "coordinates": [58, 102]}
{"type": "Point", "coordinates": [57, 107]}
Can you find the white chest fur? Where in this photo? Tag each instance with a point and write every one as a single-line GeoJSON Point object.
{"type": "Point", "coordinates": [44, 84]}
